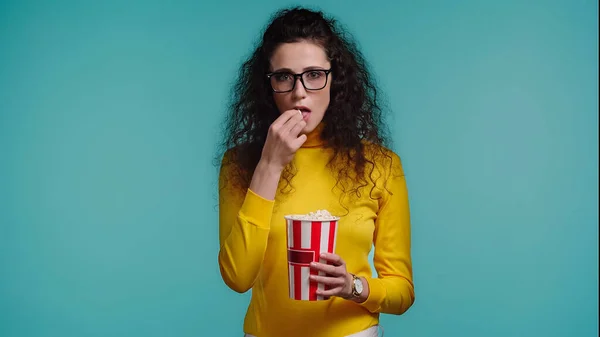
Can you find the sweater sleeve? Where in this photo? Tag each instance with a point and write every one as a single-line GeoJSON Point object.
{"type": "Point", "coordinates": [244, 225]}
{"type": "Point", "coordinates": [392, 291]}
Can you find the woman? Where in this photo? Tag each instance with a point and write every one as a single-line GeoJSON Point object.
{"type": "Point", "coordinates": [305, 133]}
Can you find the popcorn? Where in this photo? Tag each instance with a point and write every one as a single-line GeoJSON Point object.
{"type": "Point", "coordinates": [307, 236]}
{"type": "Point", "coordinates": [319, 215]}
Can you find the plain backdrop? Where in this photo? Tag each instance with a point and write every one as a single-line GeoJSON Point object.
{"type": "Point", "coordinates": [109, 120]}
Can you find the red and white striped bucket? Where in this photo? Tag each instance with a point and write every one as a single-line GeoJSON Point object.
{"type": "Point", "coordinates": [307, 239]}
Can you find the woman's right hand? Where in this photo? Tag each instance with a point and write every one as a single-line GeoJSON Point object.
{"type": "Point", "coordinates": [279, 149]}
{"type": "Point", "coordinates": [282, 139]}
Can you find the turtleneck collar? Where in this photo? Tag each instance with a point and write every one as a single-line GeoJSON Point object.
{"type": "Point", "coordinates": [314, 137]}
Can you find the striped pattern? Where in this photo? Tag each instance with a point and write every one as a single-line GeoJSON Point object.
{"type": "Point", "coordinates": [306, 240]}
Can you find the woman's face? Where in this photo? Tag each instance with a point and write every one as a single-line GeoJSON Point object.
{"type": "Point", "coordinates": [296, 58]}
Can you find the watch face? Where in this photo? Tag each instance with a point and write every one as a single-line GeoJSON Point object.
{"type": "Point", "coordinates": [358, 285]}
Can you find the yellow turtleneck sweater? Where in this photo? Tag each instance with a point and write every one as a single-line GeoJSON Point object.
{"type": "Point", "coordinates": [253, 248]}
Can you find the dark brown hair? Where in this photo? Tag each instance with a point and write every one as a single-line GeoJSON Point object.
{"type": "Point", "coordinates": [353, 122]}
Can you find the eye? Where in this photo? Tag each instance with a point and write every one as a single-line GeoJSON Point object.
{"type": "Point", "coordinates": [282, 77]}
{"type": "Point", "coordinates": [315, 74]}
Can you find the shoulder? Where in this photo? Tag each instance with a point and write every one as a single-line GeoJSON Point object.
{"type": "Point", "coordinates": [230, 153]}
{"type": "Point", "coordinates": [231, 156]}
{"type": "Point", "coordinates": [229, 162]}
{"type": "Point", "coordinates": [384, 158]}
{"type": "Point", "coordinates": [231, 177]}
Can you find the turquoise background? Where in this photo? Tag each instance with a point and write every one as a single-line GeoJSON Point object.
{"type": "Point", "coordinates": [109, 115]}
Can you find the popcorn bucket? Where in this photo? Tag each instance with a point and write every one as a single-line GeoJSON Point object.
{"type": "Point", "coordinates": [307, 239]}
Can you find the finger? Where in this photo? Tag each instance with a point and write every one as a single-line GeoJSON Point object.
{"type": "Point", "coordinates": [297, 128]}
{"type": "Point", "coordinates": [328, 269]}
{"type": "Point", "coordinates": [338, 291]}
{"type": "Point", "coordinates": [290, 123]}
{"type": "Point", "coordinates": [296, 143]}
{"type": "Point", "coordinates": [331, 281]}
{"type": "Point", "coordinates": [281, 120]}
{"type": "Point", "coordinates": [333, 258]}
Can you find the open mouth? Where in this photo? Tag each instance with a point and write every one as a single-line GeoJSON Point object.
{"type": "Point", "coordinates": [304, 110]}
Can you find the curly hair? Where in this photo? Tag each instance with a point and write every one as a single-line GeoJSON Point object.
{"type": "Point", "coordinates": [353, 122]}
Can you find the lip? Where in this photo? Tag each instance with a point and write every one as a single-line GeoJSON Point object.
{"type": "Point", "coordinates": [302, 108]}
{"type": "Point", "coordinates": [305, 116]}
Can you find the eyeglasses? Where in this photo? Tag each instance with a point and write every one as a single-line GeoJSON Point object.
{"type": "Point", "coordinates": [314, 79]}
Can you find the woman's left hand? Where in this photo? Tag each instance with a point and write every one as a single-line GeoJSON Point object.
{"type": "Point", "coordinates": [336, 276]}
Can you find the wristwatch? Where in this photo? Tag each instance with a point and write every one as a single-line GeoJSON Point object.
{"type": "Point", "coordinates": [357, 286]}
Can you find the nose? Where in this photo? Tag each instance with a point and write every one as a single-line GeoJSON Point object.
{"type": "Point", "coordinates": [299, 90]}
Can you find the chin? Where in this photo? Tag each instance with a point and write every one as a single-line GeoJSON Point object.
{"type": "Point", "coordinates": [307, 130]}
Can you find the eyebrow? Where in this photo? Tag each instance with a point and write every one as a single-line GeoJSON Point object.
{"type": "Point", "coordinates": [303, 70]}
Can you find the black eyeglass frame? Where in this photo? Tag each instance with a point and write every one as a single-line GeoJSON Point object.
{"type": "Point", "coordinates": [296, 76]}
